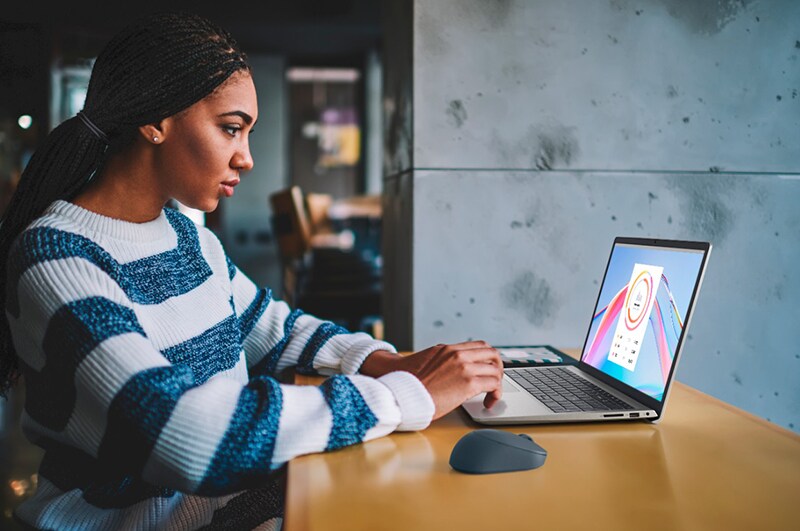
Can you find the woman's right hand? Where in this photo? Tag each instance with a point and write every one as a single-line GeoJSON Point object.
{"type": "Point", "coordinates": [456, 372]}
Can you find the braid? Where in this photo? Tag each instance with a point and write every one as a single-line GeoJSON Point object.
{"type": "Point", "coordinates": [152, 69]}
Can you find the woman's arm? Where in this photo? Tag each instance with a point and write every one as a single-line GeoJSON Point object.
{"type": "Point", "coordinates": [276, 336]}
{"type": "Point", "coordinates": [451, 373]}
{"type": "Point", "coordinates": [98, 384]}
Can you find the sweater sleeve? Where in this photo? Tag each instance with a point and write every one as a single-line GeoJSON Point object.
{"type": "Point", "coordinates": [97, 383]}
{"type": "Point", "coordinates": [276, 336]}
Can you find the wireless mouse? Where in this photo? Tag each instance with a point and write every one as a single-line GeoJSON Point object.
{"type": "Point", "coordinates": [488, 451]}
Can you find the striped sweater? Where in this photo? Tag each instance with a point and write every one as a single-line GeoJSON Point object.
{"type": "Point", "coordinates": [151, 365]}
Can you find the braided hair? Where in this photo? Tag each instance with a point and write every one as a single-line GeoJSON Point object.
{"type": "Point", "coordinates": [152, 69]}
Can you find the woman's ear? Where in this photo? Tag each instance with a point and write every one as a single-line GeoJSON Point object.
{"type": "Point", "coordinates": [153, 133]}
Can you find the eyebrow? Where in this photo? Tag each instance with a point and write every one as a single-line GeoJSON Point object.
{"type": "Point", "coordinates": [243, 115]}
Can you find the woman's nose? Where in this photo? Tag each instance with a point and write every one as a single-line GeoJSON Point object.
{"type": "Point", "coordinates": [243, 160]}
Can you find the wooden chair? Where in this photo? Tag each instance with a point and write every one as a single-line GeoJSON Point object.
{"type": "Point", "coordinates": [323, 277]}
{"type": "Point", "coordinates": [317, 206]}
{"type": "Point", "coordinates": [292, 231]}
{"type": "Point", "coordinates": [290, 223]}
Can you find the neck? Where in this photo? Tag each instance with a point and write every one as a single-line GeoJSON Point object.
{"type": "Point", "coordinates": [126, 188]}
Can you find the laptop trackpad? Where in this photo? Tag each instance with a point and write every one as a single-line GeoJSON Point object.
{"type": "Point", "coordinates": [509, 387]}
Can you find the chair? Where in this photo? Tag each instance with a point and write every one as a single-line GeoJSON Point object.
{"type": "Point", "coordinates": [322, 274]}
{"type": "Point", "coordinates": [293, 235]}
{"type": "Point", "coordinates": [317, 206]}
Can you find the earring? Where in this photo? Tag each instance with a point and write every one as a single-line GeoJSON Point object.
{"type": "Point", "coordinates": [155, 139]}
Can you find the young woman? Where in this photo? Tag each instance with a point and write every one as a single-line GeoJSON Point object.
{"type": "Point", "coordinates": [150, 359]}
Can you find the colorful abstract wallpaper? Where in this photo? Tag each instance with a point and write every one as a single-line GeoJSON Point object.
{"type": "Point", "coordinates": [641, 314]}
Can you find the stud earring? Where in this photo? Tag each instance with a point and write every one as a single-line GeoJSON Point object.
{"type": "Point", "coordinates": [155, 139]}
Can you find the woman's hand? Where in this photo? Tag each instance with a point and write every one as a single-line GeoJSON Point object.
{"type": "Point", "coordinates": [451, 373]}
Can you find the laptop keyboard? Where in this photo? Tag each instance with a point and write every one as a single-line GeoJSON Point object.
{"type": "Point", "coordinates": [561, 390]}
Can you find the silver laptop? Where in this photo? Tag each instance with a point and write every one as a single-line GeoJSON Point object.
{"type": "Point", "coordinates": [631, 350]}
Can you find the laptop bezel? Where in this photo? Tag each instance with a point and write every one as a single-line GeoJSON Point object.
{"type": "Point", "coordinates": [643, 398]}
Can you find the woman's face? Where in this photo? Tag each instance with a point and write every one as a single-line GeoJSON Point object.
{"type": "Point", "coordinates": [205, 147]}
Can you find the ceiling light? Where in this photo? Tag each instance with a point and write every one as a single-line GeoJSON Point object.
{"type": "Point", "coordinates": [25, 121]}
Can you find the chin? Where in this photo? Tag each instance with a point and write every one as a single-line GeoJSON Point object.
{"type": "Point", "coordinates": [204, 206]}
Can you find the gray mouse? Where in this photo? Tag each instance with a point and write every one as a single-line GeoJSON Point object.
{"type": "Point", "coordinates": [487, 451]}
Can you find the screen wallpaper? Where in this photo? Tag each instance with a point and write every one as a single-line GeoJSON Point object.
{"type": "Point", "coordinates": [639, 317]}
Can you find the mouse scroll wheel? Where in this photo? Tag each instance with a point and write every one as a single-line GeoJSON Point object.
{"type": "Point", "coordinates": [525, 436]}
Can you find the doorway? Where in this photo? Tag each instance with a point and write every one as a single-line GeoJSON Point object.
{"type": "Point", "coordinates": [326, 129]}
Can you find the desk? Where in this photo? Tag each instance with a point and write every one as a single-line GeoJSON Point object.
{"type": "Point", "coordinates": [363, 206]}
{"type": "Point", "coordinates": [705, 466]}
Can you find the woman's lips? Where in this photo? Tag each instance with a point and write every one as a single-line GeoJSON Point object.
{"type": "Point", "coordinates": [227, 187]}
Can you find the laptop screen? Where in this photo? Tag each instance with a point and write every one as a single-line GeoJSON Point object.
{"type": "Point", "coordinates": [640, 314]}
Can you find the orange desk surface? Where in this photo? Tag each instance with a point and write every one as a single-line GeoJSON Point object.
{"type": "Point", "coordinates": [705, 466]}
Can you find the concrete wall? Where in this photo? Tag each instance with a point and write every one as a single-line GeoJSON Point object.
{"type": "Point", "coordinates": [626, 85]}
{"type": "Point", "coordinates": [397, 221]}
{"type": "Point", "coordinates": [524, 135]}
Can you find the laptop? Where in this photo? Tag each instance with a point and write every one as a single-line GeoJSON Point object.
{"type": "Point", "coordinates": [636, 333]}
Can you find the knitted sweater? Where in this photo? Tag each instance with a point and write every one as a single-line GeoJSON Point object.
{"type": "Point", "coordinates": [151, 364]}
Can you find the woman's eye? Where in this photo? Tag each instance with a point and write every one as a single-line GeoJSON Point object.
{"type": "Point", "coordinates": [231, 129]}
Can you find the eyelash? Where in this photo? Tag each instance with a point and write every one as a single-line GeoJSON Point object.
{"type": "Point", "coordinates": [232, 130]}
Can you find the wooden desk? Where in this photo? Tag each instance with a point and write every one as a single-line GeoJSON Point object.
{"type": "Point", "coordinates": [705, 466]}
{"type": "Point", "coordinates": [363, 206]}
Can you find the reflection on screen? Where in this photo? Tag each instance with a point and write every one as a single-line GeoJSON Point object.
{"type": "Point", "coordinates": [640, 314]}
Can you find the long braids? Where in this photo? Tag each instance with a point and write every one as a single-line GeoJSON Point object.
{"type": "Point", "coordinates": [152, 69]}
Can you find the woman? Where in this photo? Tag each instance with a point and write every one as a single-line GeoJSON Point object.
{"type": "Point", "coordinates": [149, 357]}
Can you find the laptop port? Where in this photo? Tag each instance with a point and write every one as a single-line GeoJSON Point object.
{"type": "Point", "coordinates": [634, 415]}
{"type": "Point", "coordinates": [614, 415]}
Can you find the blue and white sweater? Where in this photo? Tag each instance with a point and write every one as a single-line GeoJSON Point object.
{"type": "Point", "coordinates": [150, 365]}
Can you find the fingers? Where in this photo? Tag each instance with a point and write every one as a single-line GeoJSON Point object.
{"type": "Point", "coordinates": [492, 386]}
{"type": "Point", "coordinates": [474, 352]}
{"type": "Point", "coordinates": [467, 345]}
{"type": "Point", "coordinates": [470, 344]}
{"type": "Point", "coordinates": [481, 364]}
{"type": "Point", "coordinates": [464, 345]}
{"type": "Point", "coordinates": [483, 369]}
{"type": "Point", "coordinates": [448, 396]}
{"type": "Point", "coordinates": [474, 347]}
{"type": "Point", "coordinates": [455, 372]}
{"type": "Point", "coordinates": [493, 397]}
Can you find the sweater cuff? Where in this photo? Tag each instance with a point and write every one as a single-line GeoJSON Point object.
{"type": "Point", "coordinates": [415, 403]}
{"type": "Point", "coordinates": [358, 352]}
